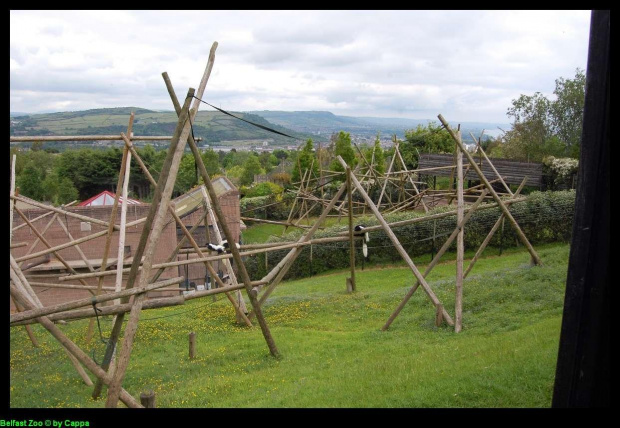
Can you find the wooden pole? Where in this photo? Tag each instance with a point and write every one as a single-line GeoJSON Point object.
{"type": "Point", "coordinates": [20, 281]}
{"type": "Point", "coordinates": [77, 314]}
{"type": "Point", "coordinates": [491, 233]}
{"type": "Point", "coordinates": [166, 180]}
{"type": "Point", "coordinates": [458, 305]}
{"type": "Point", "coordinates": [58, 256]}
{"type": "Point", "coordinates": [20, 260]}
{"type": "Point", "coordinates": [492, 166]}
{"type": "Point", "coordinates": [439, 315]}
{"type": "Point", "coordinates": [26, 139]}
{"type": "Point", "coordinates": [435, 260]}
{"type": "Point", "coordinates": [278, 272]}
{"type": "Point", "coordinates": [61, 211]}
{"type": "Point", "coordinates": [121, 235]}
{"type": "Point", "coordinates": [239, 304]}
{"type": "Point", "coordinates": [77, 247]}
{"type": "Point", "coordinates": [351, 281]}
{"type": "Point", "coordinates": [47, 310]}
{"type": "Point", "coordinates": [33, 339]}
{"type": "Point", "coordinates": [72, 347]}
{"type": "Point", "coordinates": [192, 345]}
{"type": "Point", "coordinates": [112, 220]}
{"type": "Point", "coordinates": [12, 201]}
{"type": "Point", "coordinates": [396, 242]}
{"type": "Point", "coordinates": [147, 399]}
{"type": "Point", "coordinates": [502, 205]}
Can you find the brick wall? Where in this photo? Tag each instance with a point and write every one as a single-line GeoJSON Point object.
{"type": "Point", "coordinates": [93, 249]}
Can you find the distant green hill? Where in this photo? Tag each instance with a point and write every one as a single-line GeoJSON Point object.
{"type": "Point", "coordinates": [325, 123]}
{"type": "Point", "coordinates": [212, 127]}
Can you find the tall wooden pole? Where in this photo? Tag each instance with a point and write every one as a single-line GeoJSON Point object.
{"type": "Point", "coordinates": [12, 201]}
{"type": "Point", "coordinates": [221, 219]}
{"type": "Point", "coordinates": [351, 281]}
{"type": "Point", "coordinates": [158, 212]}
{"type": "Point", "coordinates": [106, 248]}
{"type": "Point", "coordinates": [397, 243]}
{"type": "Point", "coordinates": [503, 207]}
{"type": "Point", "coordinates": [156, 198]}
{"type": "Point", "coordinates": [436, 258]}
{"type": "Point", "coordinates": [458, 305]}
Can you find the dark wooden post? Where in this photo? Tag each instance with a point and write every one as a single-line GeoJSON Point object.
{"type": "Point", "coordinates": [147, 399]}
{"type": "Point", "coordinates": [439, 315]}
{"type": "Point", "coordinates": [192, 345]}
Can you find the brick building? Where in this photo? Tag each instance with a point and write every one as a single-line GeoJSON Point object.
{"type": "Point", "coordinates": [47, 269]}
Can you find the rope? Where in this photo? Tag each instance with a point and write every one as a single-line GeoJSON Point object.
{"type": "Point", "coordinates": [103, 340]}
{"type": "Point", "coordinates": [266, 128]}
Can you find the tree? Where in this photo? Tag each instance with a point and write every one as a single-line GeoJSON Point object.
{"type": "Point", "coordinates": [431, 138]}
{"type": "Point", "coordinates": [29, 183]}
{"type": "Point", "coordinates": [379, 157]}
{"type": "Point", "coordinates": [186, 177]}
{"type": "Point", "coordinates": [66, 191]}
{"type": "Point", "coordinates": [567, 111]}
{"type": "Point", "coordinates": [251, 167]}
{"type": "Point", "coordinates": [542, 127]}
{"type": "Point", "coordinates": [343, 148]}
{"type": "Point", "coordinates": [211, 161]}
{"type": "Point", "coordinates": [305, 159]}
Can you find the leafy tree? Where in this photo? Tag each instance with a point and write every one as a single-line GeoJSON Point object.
{"type": "Point", "coordinates": [186, 177]}
{"type": "Point", "coordinates": [541, 125]}
{"type": "Point", "coordinates": [343, 148]}
{"type": "Point", "coordinates": [250, 168]}
{"type": "Point", "coordinates": [29, 183]}
{"type": "Point", "coordinates": [66, 191]}
{"type": "Point", "coordinates": [280, 154]}
{"type": "Point", "coordinates": [234, 174]}
{"type": "Point", "coordinates": [379, 156]}
{"type": "Point", "coordinates": [268, 161]}
{"type": "Point", "coordinates": [567, 111]}
{"type": "Point", "coordinates": [306, 158]}
{"type": "Point", "coordinates": [211, 161]}
{"type": "Point", "coordinates": [431, 138]}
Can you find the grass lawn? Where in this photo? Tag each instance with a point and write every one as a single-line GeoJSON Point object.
{"type": "Point", "coordinates": [333, 352]}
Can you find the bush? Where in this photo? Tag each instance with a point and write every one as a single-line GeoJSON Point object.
{"type": "Point", "coordinates": [544, 217]}
{"type": "Point", "coordinates": [261, 189]}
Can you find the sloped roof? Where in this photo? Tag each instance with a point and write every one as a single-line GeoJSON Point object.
{"type": "Point", "coordinates": [192, 200]}
{"type": "Point", "coordinates": [105, 198]}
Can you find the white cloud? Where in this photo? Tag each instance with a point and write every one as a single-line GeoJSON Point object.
{"type": "Point", "coordinates": [467, 65]}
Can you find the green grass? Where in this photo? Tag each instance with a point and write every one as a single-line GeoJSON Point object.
{"type": "Point", "coordinates": [333, 352]}
{"type": "Point", "coordinates": [260, 232]}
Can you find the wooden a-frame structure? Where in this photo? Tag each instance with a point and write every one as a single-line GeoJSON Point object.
{"type": "Point", "coordinates": [31, 309]}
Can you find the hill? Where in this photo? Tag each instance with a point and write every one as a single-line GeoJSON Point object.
{"type": "Point", "coordinates": [212, 127]}
{"type": "Point", "coordinates": [321, 123]}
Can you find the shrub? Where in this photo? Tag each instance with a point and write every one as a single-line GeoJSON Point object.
{"type": "Point", "coordinates": [544, 217]}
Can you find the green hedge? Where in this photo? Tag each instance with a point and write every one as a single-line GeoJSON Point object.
{"type": "Point", "coordinates": [543, 217]}
{"type": "Point", "coordinates": [253, 207]}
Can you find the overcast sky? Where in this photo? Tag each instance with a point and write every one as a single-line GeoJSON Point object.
{"type": "Point", "coordinates": [466, 65]}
